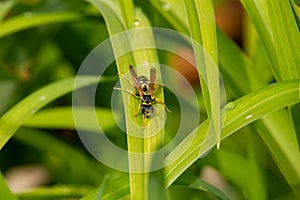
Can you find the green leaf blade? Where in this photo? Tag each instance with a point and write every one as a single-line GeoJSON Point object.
{"type": "Point", "coordinates": [202, 27]}
{"type": "Point", "coordinates": [133, 49]}
{"type": "Point", "coordinates": [286, 38]}
{"type": "Point", "coordinates": [31, 104]}
{"type": "Point", "coordinates": [247, 109]}
{"type": "Point", "coordinates": [62, 118]}
{"type": "Point", "coordinates": [199, 184]}
{"type": "Point", "coordinates": [30, 20]}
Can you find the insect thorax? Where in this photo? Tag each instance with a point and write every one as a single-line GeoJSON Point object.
{"type": "Point", "coordinates": [147, 99]}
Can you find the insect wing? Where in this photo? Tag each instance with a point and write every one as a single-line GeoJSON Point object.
{"type": "Point", "coordinates": [152, 80]}
{"type": "Point", "coordinates": [135, 80]}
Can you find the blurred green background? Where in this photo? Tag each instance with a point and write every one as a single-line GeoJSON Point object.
{"type": "Point", "coordinates": [52, 160]}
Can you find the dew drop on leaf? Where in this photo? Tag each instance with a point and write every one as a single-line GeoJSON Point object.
{"type": "Point", "coordinates": [28, 15]}
{"type": "Point", "coordinates": [249, 116]}
{"type": "Point", "coordinates": [136, 22]}
{"type": "Point", "coordinates": [166, 6]}
{"type": "Point", "coordinates": [230, 106]}
{"type": "Point", "coordinates": [42, 98]}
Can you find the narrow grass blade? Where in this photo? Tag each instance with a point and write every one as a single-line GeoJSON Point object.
{"type": "Point", "coordinates": [128, 13]}
{"type": "Point", "coordinates": [285, 34]}
{"type": "Point", "coordinates": [286, 40]}
{"type": "Point", "coordinates": [296, 8]}
{"type": "Point", "coordinates": [173, 11]}
{"type": "Point", "coordinates": [272, 137]}
{"type": "Point", "coordinates": [31, 104]}
{"type": "Point", "coordinates": [246, 110]}
{"type": "Point", "coordinates": [227, 54]}
{"type": "Point", "coordinates": [277, 28]}
{"type": "Point", "coordinates": [62, 118]}
{"type": "Point", "coordinates": [54, 192]}
{"type": "Point", "coordinates": [234, 62]}
{"type": "Point", "coordinates": [114, 14]}
{"type": "Point", "coordinates": [198, 184]}
{"type": "Point", "coordinates": [156, 185]}
{"type": "Point", "coordinates": [101, 190]}
{"type": "Point", "coordinates": [117, 189]}
{"type": "Point", "coordinates": [260, 19]}
{"type": "Point", "coordinates": [30, 20]}
{"type": "Point", "coordinates": [202, 28]}
{"type": "Point", "coordinates": [295, 114]}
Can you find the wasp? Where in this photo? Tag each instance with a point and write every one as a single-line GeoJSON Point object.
{"type": "Point", "coordinates": [144, 91]}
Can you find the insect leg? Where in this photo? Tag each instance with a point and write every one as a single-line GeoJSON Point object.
{"type": "Point", "coordinates": [156, 86]}
{"type": "Point", "coordinates": [127, 79]}
{"type": "Point", "coordinates": [162, 103]}
{"type": "Point", "coordinates": [159, 85]}
{"type": "Point", "coordinates": [138, 111]}
{"type": "Point", "coordinates": [125, 90]}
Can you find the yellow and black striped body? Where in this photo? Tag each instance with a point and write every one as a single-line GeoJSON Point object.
{"type": "Point", "coordinates": [146, 99]}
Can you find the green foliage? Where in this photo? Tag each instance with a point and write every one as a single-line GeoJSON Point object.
{"type": "Point", "coordinates": [43, 43]}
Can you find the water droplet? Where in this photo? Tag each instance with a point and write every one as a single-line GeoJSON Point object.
{"type": "Point", "coordinates": [230, 106]}
{"type": "Point", "coordinates": [249, 116]}
{"type": "Point", "coordinates": [136, 22]}
{"type": "Point", "coordinates": [28, 15]}
{"type": "Point", "coordinates": [42, 98]}
{"type": "Point", "coordinates": [166, 6]}
{"type": "Point", "coordinates": [9, 131]}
